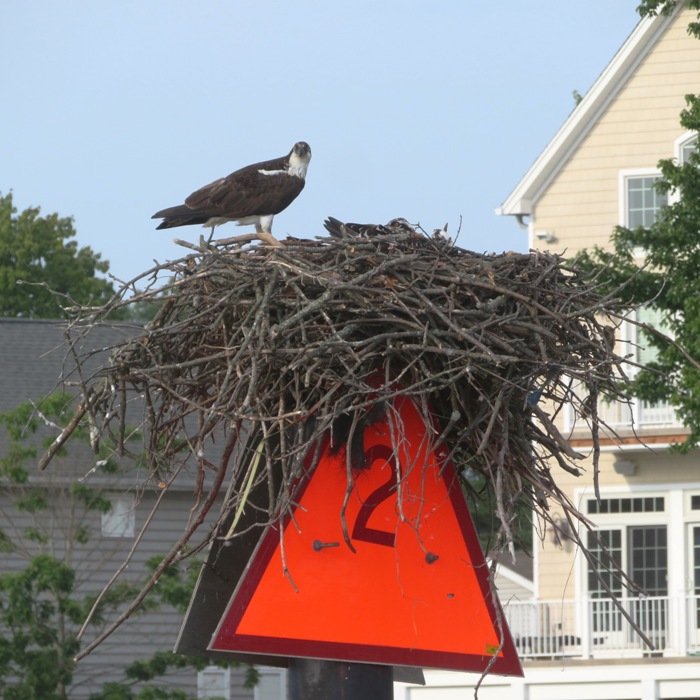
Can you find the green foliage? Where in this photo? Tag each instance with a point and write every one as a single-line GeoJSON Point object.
{"type": "Point", "coordinates": [651, 8]}
{"type": "Point", "coordinates": [39, 250]}
{"type": "Point", "coordinates": [91, 498]}
{"type": "Point", "coordinates": [20, 424]}
{"type": "Point", "coordinates": [668, 281]}
{"type": "Point", "coordinates": [6, 545]}
{"type": "Point", "coordinates": [481, 498]}
{"type": "Point", "coordinates": [175, 584]}
{"type": "Point", "coordinates": [42, 605]}
{"type": "Point", "coordinates": [120, 691]}
{"type": "Point", "coordinates": [32, 500]}
{"type": "Point", "coordinates": [35, 655]}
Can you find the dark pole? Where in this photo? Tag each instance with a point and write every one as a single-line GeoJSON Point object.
{"type": "Point", "coordinates": [313, 679]}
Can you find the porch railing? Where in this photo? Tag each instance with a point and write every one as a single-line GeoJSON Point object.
{"type": "Point", "coordinates": [642, 414]}
{"type": "Point", "coordinates": [596, 628]}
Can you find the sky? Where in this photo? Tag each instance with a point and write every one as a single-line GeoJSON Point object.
{"type": "Point", "coordinates": [432, 111]}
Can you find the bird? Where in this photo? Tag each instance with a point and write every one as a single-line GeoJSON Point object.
{"type": "Point", "coordinates": [338, 229]}
{"type": "Point", "coordinates": [440, 234]}
{"type": "Point", "coordinates": [252, 195]}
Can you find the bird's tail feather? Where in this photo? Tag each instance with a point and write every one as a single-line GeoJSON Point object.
{"type": "Point", "coordinates": [179, 216]}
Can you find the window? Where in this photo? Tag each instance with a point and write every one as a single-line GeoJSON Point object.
{"type": "Point", "coordinates": [644, 351]}
{"type": "Point", "coordinates": [605, 547]}
{"type": "Point", "coordinates": [120, 521]}
{"type": "Point", "coordinates": [214, 682]}
{"type": "Point", "coordinates": [642, 201]}
{"type": "Point", "coordinates": [646, 414]}
{"type": "Point", "coordinates": [687, 149]}
{"type": "Point", "coordinates": [638, 504]}
{"type": "Point", "coordinates": [685, 146]}
{"type": "Point", "coordinates": [642, 551]}
{"type": "Point", "coordinates": [271, 684]}
{"type": "Point", "coordinates": [648, 558]}
{"type": "Point", "coordinates": [695, 565]}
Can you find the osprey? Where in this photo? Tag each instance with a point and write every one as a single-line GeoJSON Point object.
{"type": "Point", "coordinates": [251, 195]}
{"type": "Point", "coordinates": [338, 229]}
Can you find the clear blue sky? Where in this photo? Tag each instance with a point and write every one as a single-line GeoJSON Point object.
{"type": "Point", "coordinates": [426, 110]}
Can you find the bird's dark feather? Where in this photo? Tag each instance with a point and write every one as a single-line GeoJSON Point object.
{"type": "Point", "coordinates": [338, 229]}
{"type": "Point", "coordinates": [247, 192]}
{"type": "Point", "coordinates": [180, 216]}
{"type": "Point", "coordinates": [243, 193]}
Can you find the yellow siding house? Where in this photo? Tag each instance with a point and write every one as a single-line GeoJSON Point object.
{"type": "Point", "coordinates": [598, 171]}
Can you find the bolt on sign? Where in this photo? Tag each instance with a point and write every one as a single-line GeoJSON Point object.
{"type": "Point", "coordinates": [385, 568]}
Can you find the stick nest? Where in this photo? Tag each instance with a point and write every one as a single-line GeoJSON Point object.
{"type": "Point", "coordinates": [314, 338]}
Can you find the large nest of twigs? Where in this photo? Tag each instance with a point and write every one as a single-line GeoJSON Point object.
{"type": "Point", "coordinates": [314, 338]}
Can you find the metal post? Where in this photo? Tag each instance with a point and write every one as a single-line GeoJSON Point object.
{"type": "Point", "coordinates": [313, 679]}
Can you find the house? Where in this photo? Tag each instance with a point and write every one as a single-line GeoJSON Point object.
{"type": "Point", "coordinates": [598, 171]}
{"type": "Point", "coordinates": [32, 357]}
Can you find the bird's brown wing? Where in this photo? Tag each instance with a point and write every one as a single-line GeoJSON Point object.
{"type": "Point", "coordinates": [246, 192]}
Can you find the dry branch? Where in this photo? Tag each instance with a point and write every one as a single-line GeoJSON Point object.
{"type": "Point", "coordinates": [309, 337]}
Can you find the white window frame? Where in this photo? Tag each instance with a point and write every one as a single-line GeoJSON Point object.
{"type": "Point", "coordinates": [623, 178]}
{"type": "Point", "coordinates": [691, 619]}
{"type": "Point", "coordinates": [675, 517]}
{"type": "Point", "coordinates": [681, 142]}
{"type": "Point", "coordinates": [214, 682]}
{"type": "Point", "coordinates": [643, 413]}
{"type": "Point", "coordinates": [120, 521]}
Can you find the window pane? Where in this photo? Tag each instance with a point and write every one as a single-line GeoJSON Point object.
{"type": "Point", "coordinates": [696, 572]}
{"type": "Point", "coordinates": [636, 199]}
{"type": "Point", "coordinates": [626, 505]}
{"type": "Point", "coordinates": [643, 201]}
{"type": "Point", "coordinates": [214, 682]}
{"type": "Point", "coordinates": [687, 149]}
{"type": "Point", "coordinates": [120, 520]}
{"type": "Point", "coordinates": [653, 317]}
{"type": "Point", "coordinates": [271, 685]}
{"type": "Point", "coordinates": [648, 559]}
{"type": "Point", "coordinates": [606, 552]}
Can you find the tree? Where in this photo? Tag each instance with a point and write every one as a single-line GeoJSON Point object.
{"type": "Point", "coordinates": [650, 8]}
{"type": "Point", "coordinates": [38, 250]}
{"type": "Point", "coordinates": [667, 279]}
{"type": "Point", "coordinates": [45, 542]}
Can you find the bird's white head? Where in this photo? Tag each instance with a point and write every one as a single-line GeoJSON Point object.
{"type": "Point", "coordinates": [299, 158]}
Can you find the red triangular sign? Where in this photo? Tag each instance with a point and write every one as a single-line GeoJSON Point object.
{"type": "Point", "coordinates": [415, 591]}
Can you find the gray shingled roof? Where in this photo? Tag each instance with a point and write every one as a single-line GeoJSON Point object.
{"type": "Point", "coordinates": [33, 353]}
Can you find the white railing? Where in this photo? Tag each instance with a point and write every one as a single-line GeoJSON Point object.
{"type": "Point", "coordinates": [640, 415]}
{"type": "Point", "coordinates": [596, 628]}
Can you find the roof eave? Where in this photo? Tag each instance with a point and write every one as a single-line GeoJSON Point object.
{"type": "Point", "coordinates": [526, 193]}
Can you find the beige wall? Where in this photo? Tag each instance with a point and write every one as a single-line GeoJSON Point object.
{"type": "Point", "coordinates": [581, 205]}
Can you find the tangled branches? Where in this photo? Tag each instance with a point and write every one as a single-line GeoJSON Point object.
{"type": "Point", "coordinates": [313, 338]}
{"type": "Point", "coordinates": [317, 336]}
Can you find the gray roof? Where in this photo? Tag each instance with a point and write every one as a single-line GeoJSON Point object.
{"type": "Point", "coordinates": [35, 359]}
{"type": "Point", "coordinates": [34, 354]}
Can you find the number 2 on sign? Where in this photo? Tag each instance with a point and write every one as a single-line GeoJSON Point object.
{"type": "Point", "coordinates": [362, 532]}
